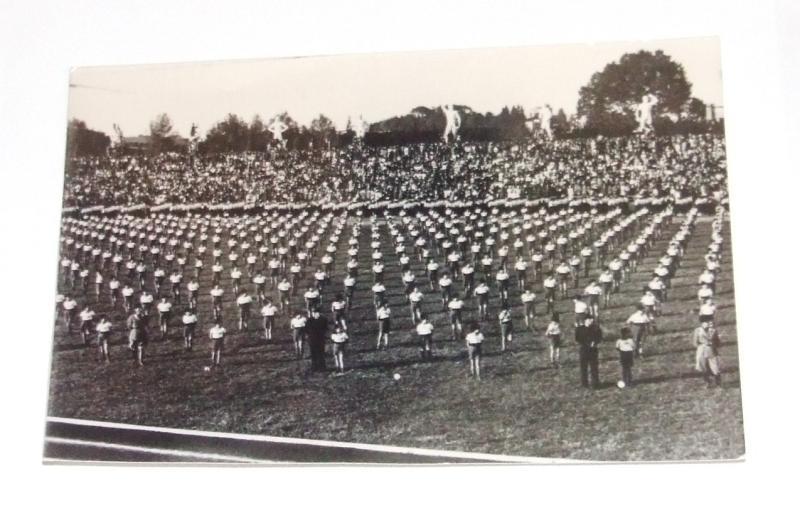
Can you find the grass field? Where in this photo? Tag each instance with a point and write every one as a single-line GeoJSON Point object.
{"type": "Point", "coordinates": [522, 406]}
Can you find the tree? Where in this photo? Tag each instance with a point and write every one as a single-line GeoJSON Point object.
{"type": "Point", "coordinates": [82, 141]}
{"type": "Point", "coordinates": [229, 135]}
{"type": "Point", "coordinates": [560, 124]}
{"type": "Point", "coordinates": [609, 99]}
{"type": "Point", "coordinates": [161, 134]}
{"type": "Point", "coordinates": [257, 135]}
{"type": "Point", "coordinates": [695, 109]}
{"type": "Point", "coordinates": [323, 131]}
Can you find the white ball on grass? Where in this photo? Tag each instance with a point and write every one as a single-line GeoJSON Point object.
{"type": "Point", "coordinates": [396, 376]}
{"type": "Point", "coordinates": [620, 384]}
{"type": "Point", "coordinates": [207, 368]}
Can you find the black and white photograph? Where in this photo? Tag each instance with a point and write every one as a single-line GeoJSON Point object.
{"type": "Point", "coordinates": [505, 255]}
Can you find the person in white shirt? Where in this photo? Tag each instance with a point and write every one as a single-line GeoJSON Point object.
{"type": "Point", "coordinates": [216, 271]}
{"type": "Point", "coordinates": [501, 278]}
{"type": "Point", "coordinates": [339, 338]}
{"type": "Point", "coordinates": [320, 278]}
{"type": "Point", "coordinates": [474, 341]}
{"type": "Point", "coordinates": [651, 305]}
{"type": "Point", "coordinates": [553, 334]}
{"type": "Point", "coordinates": [606, 280]}
{"type": "Point", "coordinates": [198, 267]}
{"type": "Point", "coordinates": [425, 333]}
{"type": "Point", "coordinates": [298, 325]}
{"type": "Point", "coordinates": [103, 330]}
{"type": "Point", "coordinates": [164, 308]}
{"type": "Point", "coordinates": [445, 284]}
{"type": "Point", "coordinates": [586, 257]}
{"type": "Point", "coordinates": [529, 302]}
{"type": "Point", "coordinates": [704, 293]}
{"type": "Point", "coordinates": [69, 307]}
{"type": "Point", "coordinates": [268, 312]}
{"type": "Point", "coordinates": [146, 301]}
{"type": "Point", "coordinates": [349, 290]}
{"type": "Point", "coordinates": [615, 266]}
{"type": "Point", "coordinates": [339, 311]}
{"type": "Point", "coordinates": [259, 280]}
{"type": "Point", "coordinates": [506, 327]}
{"type": "Point", "coordinates": [284, 291]}
{"type": "Point", "coordinates": [216, 301]}
{"type": "Point", "coordinates": [455, 306]}
{"type": "Point", "coordinates": [98, 283]}
{"type": "Point", "coordinates": [189, 321]}
{"type": "Point", "coordinates": [626, 347]}
{"type": "Point", "coordinates": [244, 302]}
{"type": "Point", "coordinates": [415, 304]}
{"type": "Point", "coordinates": [563, 272]}
{"type": "Point", "coordinates": [193, 286]}
{"type": "Point", "coordinates": [641, 323]}
{"type": "Point", "coordinates": [707, 311]}
{"type": "Point", "coordinates": [482, 294]}
{"type": "Point", "coordinates": [175, 280]}
{"type": "Point", "coordinates": [113, 288]}
{"type": "Point", "coordinates": [550, 285]}
{"type": "Point", "coordinates": [296, 273]}
{"type": "Point", "coordinates": [432, 268]}
{"type": "Point", "coordinates": [658, 288]}
{"type": "Point", "coordinates": [87, 324]}
{"type": "Point", "coordinates": [127, 297]}
{"type": "Point", "coordinates": [84, 275]}
{"type": "Point", "coordinates": [384, 315]}
{"type": "Point", "coordinates": [592, 294]}
{"type": "Point", "coordinates": [521, 268]}
{"type": "Point", "coordinates": [217, 336]}
{"type": "Point", "coordinates": [377, 271]}
{"type": "Point", "coordinates": [707, 278]}
{"type": "Point", "coordinates": [251, 263]}
{"type": "Point", "coordinates": [236, 280]}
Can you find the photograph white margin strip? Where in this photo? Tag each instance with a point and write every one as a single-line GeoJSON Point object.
{"type": "Point", "coordinates": [468, 456]}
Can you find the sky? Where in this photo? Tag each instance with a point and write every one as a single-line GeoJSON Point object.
{"type": "Point", "coordinates": [375, 86]}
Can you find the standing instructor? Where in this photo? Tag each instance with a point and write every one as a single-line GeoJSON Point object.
{"type": "Point", "coordinates": [316, 329]}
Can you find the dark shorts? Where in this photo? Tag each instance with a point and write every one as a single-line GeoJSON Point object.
{"type": "Point", "coordinates": [385, 325]}
{"type": "Point", "coordinates": [338, 347]}
{"type": "Point", "coordinates": [555, 340]}
{"type": "Point", "coordinates": [219, 344]}
{"type": "Point", "coordinates": [474, 350]}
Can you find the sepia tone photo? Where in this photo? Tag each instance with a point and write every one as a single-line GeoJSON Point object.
{"type": "Point", "coordinates": [468, 256]}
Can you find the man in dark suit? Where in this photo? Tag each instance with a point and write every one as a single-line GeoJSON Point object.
{"type": "Point", "coordinates": [588, 336]}
{"type": "Point", "coordinates": [316, 328]}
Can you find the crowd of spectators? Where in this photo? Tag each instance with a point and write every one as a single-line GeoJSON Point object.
{"type": "Point", "coordinates": [634, 166]}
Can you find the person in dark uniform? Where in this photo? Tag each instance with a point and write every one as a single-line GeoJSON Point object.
{"type": "Point", "coordinates": [137, 336]}
{"type": "Point", "coordinates": [588, 337]}
{"type": "Point", "coordinates": [316, 329]}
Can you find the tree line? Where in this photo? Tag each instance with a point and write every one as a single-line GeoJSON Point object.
{"type": "Point", "coordinates": [606, 106]}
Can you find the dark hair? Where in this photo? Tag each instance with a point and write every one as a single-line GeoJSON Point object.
{"type": "Point", "coordinates": [625, 332]}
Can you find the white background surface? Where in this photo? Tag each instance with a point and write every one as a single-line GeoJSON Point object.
{"type": "Point", "coordinates": [40, 41]}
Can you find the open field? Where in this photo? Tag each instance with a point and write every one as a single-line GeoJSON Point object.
{"type": "Point", "coordinates": [522, 406]}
